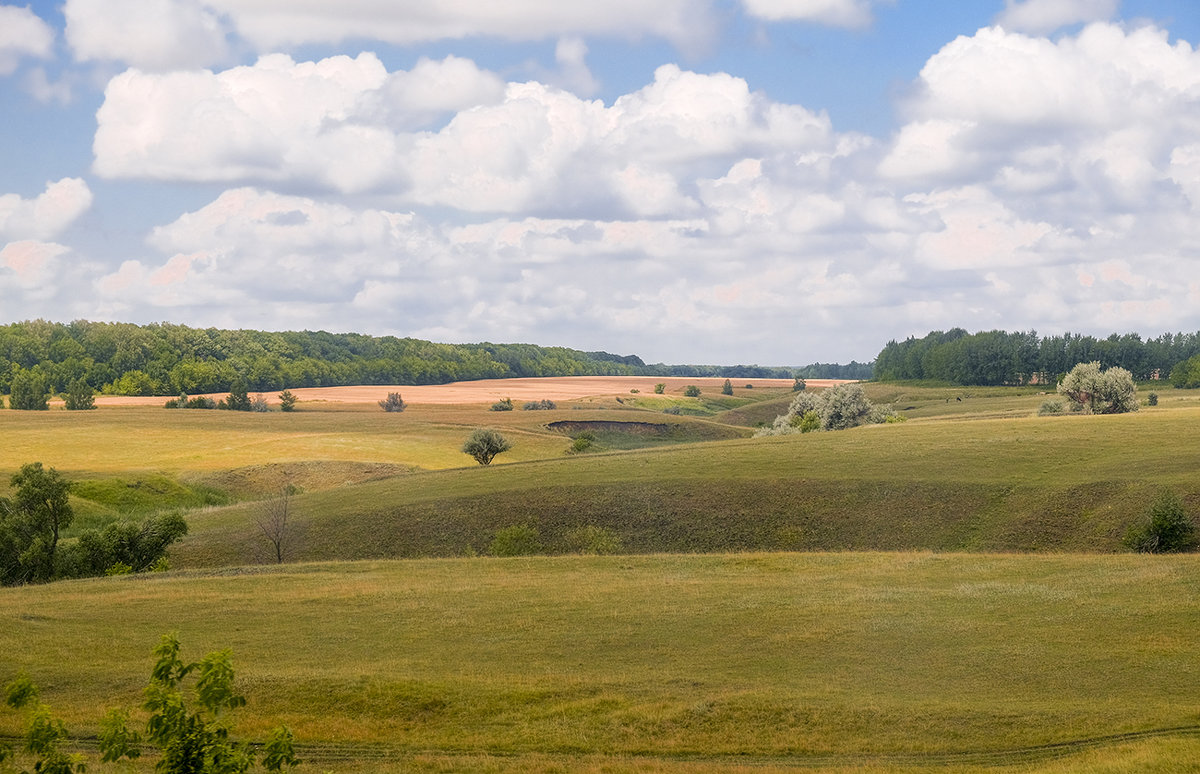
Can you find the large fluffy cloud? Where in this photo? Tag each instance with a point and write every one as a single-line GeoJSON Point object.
{"type": "Point", "coordinates": [45, 216]}
{"type": "Point", "coordinates": [22, 34]}
{"type": "Point", "coordinates": [347, 125]}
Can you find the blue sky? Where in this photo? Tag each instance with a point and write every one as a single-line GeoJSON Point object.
{"type": "Point", "coordinates": [717, 181]}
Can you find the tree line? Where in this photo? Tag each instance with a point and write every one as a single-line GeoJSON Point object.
{"type": "Point", "coordinates": [45, 357]}
{"type": "Point", "coordinates": [1001, 357]}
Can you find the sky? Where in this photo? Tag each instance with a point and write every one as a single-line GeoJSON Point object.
{"type": "Point", "coordinates": [776, 182]}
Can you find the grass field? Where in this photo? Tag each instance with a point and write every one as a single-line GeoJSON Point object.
{"type": "Point", "coordinates": [694, 651]}
{"type": "Point", "coordinates": [893, 660]}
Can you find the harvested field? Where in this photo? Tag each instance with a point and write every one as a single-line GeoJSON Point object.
{"type": "Point", "coordinates": [491, 390]}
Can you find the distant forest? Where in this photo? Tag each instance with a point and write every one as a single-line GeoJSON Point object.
{"type": "Point", "coordinates": [999, 357]}
{"type": "Point", "coordinates": [165, 359]}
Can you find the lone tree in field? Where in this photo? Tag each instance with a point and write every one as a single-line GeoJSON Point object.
{"type": "Point", "coordinates": [275, 522]}
{"type": "Point", "coordinates": [30, 524]}
{"type": "Point", "coordinates": [484, 444]}
{"type": "Point", "coordinates": [1094, 391]}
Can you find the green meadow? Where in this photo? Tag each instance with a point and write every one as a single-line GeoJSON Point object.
{"type": "Point", "coordinates": [945, 594]}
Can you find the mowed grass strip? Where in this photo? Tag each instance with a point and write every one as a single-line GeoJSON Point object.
{"type": "Point", "coordinates": [1025, 484]}
{"type": "Point", "coordinates": [837, 659]}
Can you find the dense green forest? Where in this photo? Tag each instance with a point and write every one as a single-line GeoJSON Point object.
{"type": "Point", "coordinates": [1000, 357]}
{"type": "Point", "coordinates": [165, 359]}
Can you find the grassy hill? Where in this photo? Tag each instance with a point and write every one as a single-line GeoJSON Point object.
{"type": "Point", "coordinates": [1022, 484]}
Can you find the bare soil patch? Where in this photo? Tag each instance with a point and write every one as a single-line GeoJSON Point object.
{"type": "Point", "coordinates": [492, 390]}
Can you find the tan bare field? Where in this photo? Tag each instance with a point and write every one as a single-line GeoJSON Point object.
{"type": "Point", "coordinates": [491, 390]}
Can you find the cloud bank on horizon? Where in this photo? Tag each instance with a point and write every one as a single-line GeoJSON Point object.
{"type": "Point", "coordinates": [759, 181]}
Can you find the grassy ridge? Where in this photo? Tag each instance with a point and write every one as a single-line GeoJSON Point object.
{"type": "Point", "coordinates": [1024, 484]}
{"type": "Point", "coordinates": [659, 663]}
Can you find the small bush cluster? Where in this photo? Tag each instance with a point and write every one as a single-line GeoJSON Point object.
{"type": "Point", "coordinates": [198, 402]}
{"type": "Point", "coordinates": [540, 405]}
{"type": "Point", "coordinates": [502, 405]}
{"type": "Point", "coordinates": [1152, 399]}
{"type": "Point", "coordinates": [582, 442]}
{"type": "Point", "coordinates": [660, 388]}
{"type": "Point", "coordinates": [393, 403]}
{"type": "Point", "coordinates": [691, 391]}
{"type": "Point", "coordinates": [837, 408]}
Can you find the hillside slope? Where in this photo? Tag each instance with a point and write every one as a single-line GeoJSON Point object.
{"type": "Point", "coordinates": [1025, 484]}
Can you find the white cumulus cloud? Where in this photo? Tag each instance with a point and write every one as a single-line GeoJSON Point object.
{"type": "Point", "coordinates": [159, 34]}
{"type": "Point", "coordinates": [835, 13]}
{"type": "Point", "coordinates": [1043, 16]}
{"type": "Point", "coordinates": [152, 34]}
{"type": "Point", "coordinates": [45, 216]}
{"type": "Point", "coordinates": [22, 34]}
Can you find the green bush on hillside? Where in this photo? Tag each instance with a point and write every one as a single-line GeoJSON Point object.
{"type": "Point", "coordinates": [1051, 407]}
{"type": "Point", "coordinates": [517, 540]}
{"type": "Point", "coordinates": [691, 391]}
{"type": "Point", "coordinates": [1166, 529]}
{"type": "Point", "coordinates": [484, 444]}
{"type": "Point", "coordinates": [502, 405]}
{"type": "Point", "coordinates": [837, 408]}
{"type": "Point", "coordinates": [590, 539]}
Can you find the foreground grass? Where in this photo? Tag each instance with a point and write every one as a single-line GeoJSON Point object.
{"type": "Point", "coordinates": [865, 662]}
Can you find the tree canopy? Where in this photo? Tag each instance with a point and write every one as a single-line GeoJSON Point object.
{"type": "Point", "coordinates": [1000, 357]}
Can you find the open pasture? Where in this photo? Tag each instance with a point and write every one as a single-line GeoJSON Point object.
{"type": "Point", "coordinates": [837, 662]}
{"type": "Point", "coordinates": [695, 650]}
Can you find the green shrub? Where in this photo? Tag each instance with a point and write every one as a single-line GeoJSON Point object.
{"type": "Point", "coordinates": [287, 401]}
{"type": "Point", "coordinates": [484, 444]}
{"type": "Point", "coordinates": [538, 405]}
{"type": "Point", "coordinates": [582, 442]}
{"type": "Point", "coordinates": [727, 388]}
{"type": "Point", "coordinates": [799, 385]}
{"type": "Point", "coordinates": [79, 397]}
{"type": "Point", "coordinates": [691, 391]}
{"type": "Point", "coordinates": [393, 402]}
{"type": "Point", "coordinates": [1166, 528]}
{"type": "Point", "coordinates": [660, 388]}
{"type": "Point", "coordinates": [1152, 399]}
{"type": "Point", "coordinates": [502, 405]}
{"type": "Point", "coordinates": [238, 399]}
{"type": "Point", "coordinates": [590, 539]}
{"type": "Point", "coordinates": [517, 540]}
{"type": "Point", "coordinates": [1051, 407]}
